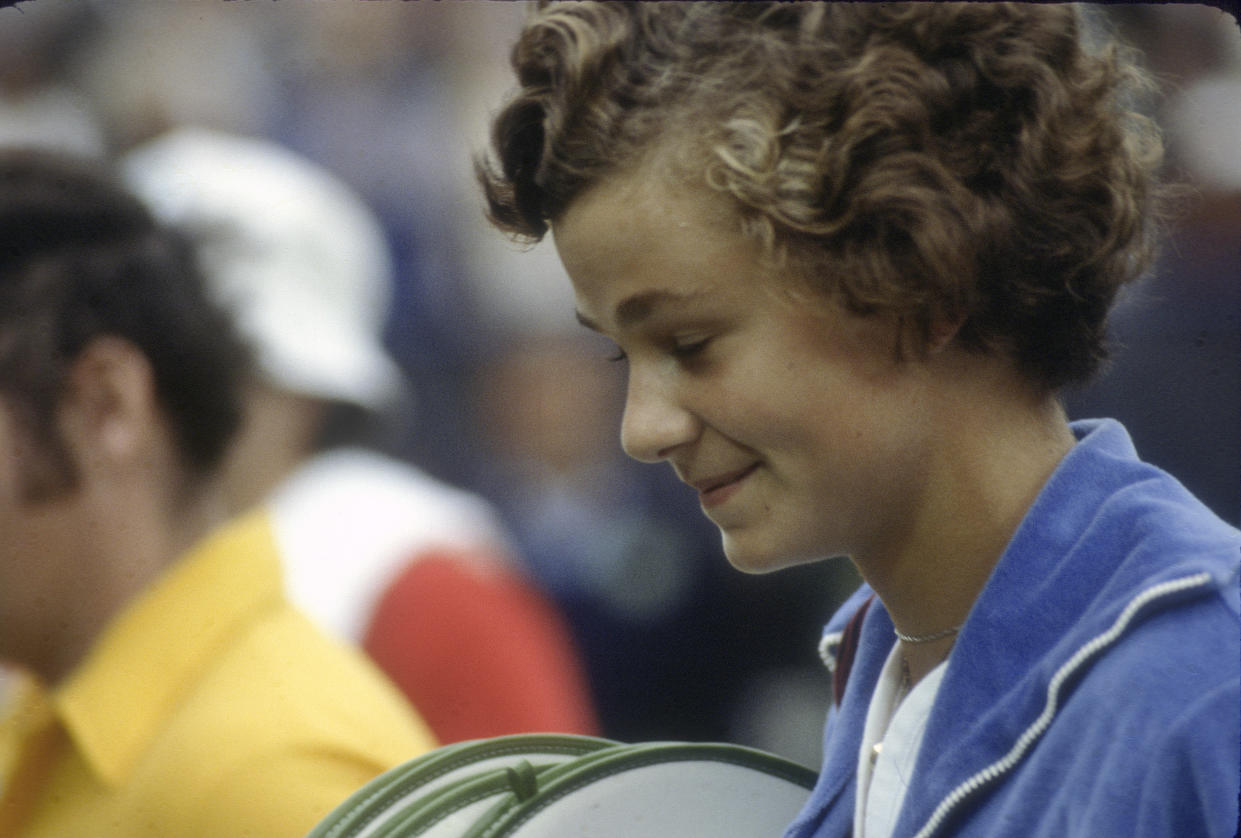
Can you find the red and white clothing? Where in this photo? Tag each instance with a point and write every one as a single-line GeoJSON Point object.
{"type": "Point", "coordinates": [421, 575]}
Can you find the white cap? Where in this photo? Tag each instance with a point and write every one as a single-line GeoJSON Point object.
{"type": "Point", "coordinates": [296, 256]}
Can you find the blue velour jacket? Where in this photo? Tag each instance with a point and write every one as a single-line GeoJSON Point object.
{"type": "Point", "coordinates": [1095, 689]}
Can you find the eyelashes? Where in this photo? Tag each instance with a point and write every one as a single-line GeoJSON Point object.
{"type": "Point", "coordinates": [683, 352]}
{"type": "Point", "coordinates": [691, 349]}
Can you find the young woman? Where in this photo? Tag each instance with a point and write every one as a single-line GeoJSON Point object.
{"type": "Point", "coordinates": [851, 253]}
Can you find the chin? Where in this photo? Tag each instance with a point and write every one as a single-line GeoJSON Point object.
{"type": "Point", "coordinates": [749, 557]}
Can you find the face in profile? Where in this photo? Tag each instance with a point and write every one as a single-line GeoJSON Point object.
{"type": "Point", "coordinates": [32, 519]}
{"type": "Point", "coordinates": [795, 423]}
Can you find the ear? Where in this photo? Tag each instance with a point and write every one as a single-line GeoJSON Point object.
{"type": "Point", "coordinates": [109, 411]}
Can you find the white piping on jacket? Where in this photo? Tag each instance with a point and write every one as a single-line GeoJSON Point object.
{"type": "Point", "coordinates": [1040, 725]}
{"type": "Point", "coordinates": [827, 649]}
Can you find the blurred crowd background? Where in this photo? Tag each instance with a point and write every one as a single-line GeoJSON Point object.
{"type": "Point", "coordinates": [513, 400]}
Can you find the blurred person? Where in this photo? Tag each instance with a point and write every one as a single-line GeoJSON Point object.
{"type": "Point", "coordinates": [850, 254]}
{"type": "Point", "coordinates": [168, 686]}
{"type": "Point", "coordinates": [38, 103]}
{"type": "Point", "coordinates": [374, 93]}
{"type": "Point", "coordinates": [143, 67]}
{"type": "Point", "coordinates": [417, 572]}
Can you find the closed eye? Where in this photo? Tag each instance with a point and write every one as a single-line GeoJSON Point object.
{"type": "Point", "coordinates": [681, 351]}
{"type": "Point", "coordinates": [689, 350]}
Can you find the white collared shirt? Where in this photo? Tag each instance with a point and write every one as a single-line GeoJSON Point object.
{"type": "Point", "coordinates": [890, 744]}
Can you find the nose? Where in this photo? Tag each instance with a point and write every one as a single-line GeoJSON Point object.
{"type": "Point", "coordinates": [655, 422]}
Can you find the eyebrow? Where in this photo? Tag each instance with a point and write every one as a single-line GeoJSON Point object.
{"type": "Point", "coordinates": [633, 310]}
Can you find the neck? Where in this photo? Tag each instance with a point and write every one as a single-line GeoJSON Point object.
{"type": "Point", "coordinates": [100, 565]}
{"type": "Point", "coordinates": [987, 468]}
{"type": "Point", "coordinates": [278, 435]}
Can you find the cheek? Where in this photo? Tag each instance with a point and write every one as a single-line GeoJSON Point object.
{"type": "Point", "coordinates": [762, 419]}
{"type": "Point", "coordinates": [835, 445]}
{"type": "Point", "coordinates": [775, 396]}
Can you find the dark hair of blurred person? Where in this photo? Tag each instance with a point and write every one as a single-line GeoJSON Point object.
{"type": "Point", "coordinates": [168, 688]}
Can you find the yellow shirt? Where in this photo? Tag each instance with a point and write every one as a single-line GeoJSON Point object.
{"type": "Point", "coordinates": [210, 707]}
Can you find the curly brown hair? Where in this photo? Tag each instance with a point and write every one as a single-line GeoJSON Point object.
{"type": "Point", "coordinates": [970, 163]}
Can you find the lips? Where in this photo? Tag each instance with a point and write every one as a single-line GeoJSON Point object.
{"type": "Point", "coordinates": [715, 490]}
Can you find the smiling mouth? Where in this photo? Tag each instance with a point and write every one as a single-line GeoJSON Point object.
{"type": "Point", "coordinates": [718, 490]}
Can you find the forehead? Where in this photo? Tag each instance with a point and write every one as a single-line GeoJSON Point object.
{"type": "Point", "coordinates": [633, 244]}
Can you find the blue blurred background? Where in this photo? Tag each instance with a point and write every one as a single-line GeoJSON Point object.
{"type": "Point", "coordinates": [514, 402]}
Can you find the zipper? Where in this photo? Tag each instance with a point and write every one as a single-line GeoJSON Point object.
{"type": "Point", "coordinates": [1040, 725]}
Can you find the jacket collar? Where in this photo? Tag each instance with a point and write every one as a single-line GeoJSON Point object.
{"type": "Point", "coordinates": [833, 796]}
{"type": "Point", "coordinates": [150, 655]}
{"type": "Point", "coordinates": [1067, 576]}
{"type": "Point", "coordinates": [1072, 574]}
